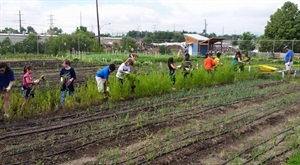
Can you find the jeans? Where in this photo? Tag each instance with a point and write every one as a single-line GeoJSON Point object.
{"type": "Point", "coordinates": [64, 95]}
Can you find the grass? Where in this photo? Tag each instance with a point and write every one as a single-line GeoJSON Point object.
{"type": "Point", "coordinates": [294, 159]}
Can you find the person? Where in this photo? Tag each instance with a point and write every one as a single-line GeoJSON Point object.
{"type": "Point", "coordinates": [187, 65]}
{"type": "Point", "coordinates": [217, 61]}
{"type": "Point", "coordinates": [179, 54]}
{"type": "Point", "coordinates": [124, 68]}
{"type": "Point", "coordinates": [238, 61]}
{"type": "Point", "coordinates": [172, 68]}
{"type": "Point", "coordinates": [186, 51]}
{"type": "Point", "coordinates": [102, 77]}
{"type": "Point", "coordinates": [288, 60]}
{"type": "Point", "coordinates": [133, 56]}
{"type": "Point", "coordinates": [209, 62]}
{"type": "Point", "coordinates": [67, 76]}
{"type": "Point", "coordinates": [28, 83]}
{"type": "Point", "coordinates": [7, 79]}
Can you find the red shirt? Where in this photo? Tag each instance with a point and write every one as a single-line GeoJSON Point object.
{"type": "Point", "coordinates": [209, 63]}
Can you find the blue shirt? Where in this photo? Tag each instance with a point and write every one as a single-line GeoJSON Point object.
{"type": "Point", "coordinates": [4, 79]}
{"type": "Point", "coordinates": [288, 55]}
{"type": "Point", "coordinates": [103, 73]}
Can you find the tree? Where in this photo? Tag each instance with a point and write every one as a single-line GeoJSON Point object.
{"type": "Point", "coordinates": [30, 29]}
{"type": "Point", "coordinates": [129, 44]}
{"type": "Point", "coordinates": [284, 24]}
{"type": "Point", "coordinates": [54, 31]}
{"type": "Point", "coordinates": [5, 46]}
{"type": "Point", "coordinates": [9, 29]}
{"type": "Point", "coordinates": [247, 42]}
{"type": "Point", "coordinates": [164, 50]}
{"type": "Point", "coordinates": [23, 30]}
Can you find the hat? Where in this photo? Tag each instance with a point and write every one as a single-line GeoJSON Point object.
{"type": "Point", "coordinates": [285, 47]}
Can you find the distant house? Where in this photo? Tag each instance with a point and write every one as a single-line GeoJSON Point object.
{"type": "Point", "coordinates": [200, 45]}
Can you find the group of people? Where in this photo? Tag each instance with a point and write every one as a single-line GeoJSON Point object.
{"type": "Point", "coordinates": [68, 74]}
{"type": "Point", "coordinates": [7, 79]}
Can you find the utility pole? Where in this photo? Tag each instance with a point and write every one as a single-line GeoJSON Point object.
{"type": "Point", "coordinates": [51, 24]}
{"type": "Point", "coordinates": [98, 25]}
{"type": "Point", "coordinates": [20, 21]}
{"type": "Point", "coordinates": [80, 19]}
{"type": "Point", "coordinates": [205, 24]}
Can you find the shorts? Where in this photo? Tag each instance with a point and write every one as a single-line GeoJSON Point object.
{"type": "Point", "coordinates": [289, 67]}
{"type": "Point", "coordinates": [26, 92]}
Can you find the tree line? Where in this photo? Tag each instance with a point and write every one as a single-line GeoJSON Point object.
{"type": "Point", "coordinates": [283, 28]}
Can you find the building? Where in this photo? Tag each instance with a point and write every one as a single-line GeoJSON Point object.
{"type": "Point", "coordinates": [200, 45]}
{"type": "Point", "coordinates": [14, 38]}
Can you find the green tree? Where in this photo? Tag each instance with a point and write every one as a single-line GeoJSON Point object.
{"type": "Point", "coordinates": [9, 29]}
{"type": "Point", "coordinates": [30, 29]}
{"type": "Point", "coordinates": [164, 50]}
{"type": "Point", "coordinates": [129, 44]}
{"type": "Point", "coordinates": [54, 31]}
{"type": "Point", "coordinates": [247, 42]}
{"type": "Point", "coordinates": [6, 46]}
{"type": "Point", "coordinates": [284, 24]}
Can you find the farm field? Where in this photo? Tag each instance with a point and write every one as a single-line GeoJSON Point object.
{"type": "Point", "coordinates": [243, 120]}
{"type": "Point", "coordinates": [219, 125]}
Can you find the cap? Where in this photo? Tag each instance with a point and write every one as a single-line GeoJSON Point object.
{"type": "Point", "coordinates": [285, 47]}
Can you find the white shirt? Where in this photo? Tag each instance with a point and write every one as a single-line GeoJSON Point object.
{"type": "Point", "coordinates": [122, 67]}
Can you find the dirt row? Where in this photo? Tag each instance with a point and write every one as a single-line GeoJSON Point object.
{"type": "Point", "coordinates": [88, 143]}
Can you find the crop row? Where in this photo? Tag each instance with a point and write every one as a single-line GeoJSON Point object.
{"type": "Point", "coordinates": [139, 122]}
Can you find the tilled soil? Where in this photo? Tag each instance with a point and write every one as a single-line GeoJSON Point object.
{"type": "Point", "coordinates": [189, 130]}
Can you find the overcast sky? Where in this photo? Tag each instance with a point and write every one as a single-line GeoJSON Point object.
{"type": "Point", "coordinates": [222, 16]}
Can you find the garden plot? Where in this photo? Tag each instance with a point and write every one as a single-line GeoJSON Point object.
{"type": "Point", "coordinates": [196, 126]}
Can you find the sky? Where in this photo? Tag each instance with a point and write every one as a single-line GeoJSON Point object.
{"type": "Point", "coordinates": [120, 16]}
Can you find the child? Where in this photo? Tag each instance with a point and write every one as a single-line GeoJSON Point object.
{"type": "Point", "coordinates": [217, 60]}
{"type": "Point", "coordinates": [67, 77]}
{"type": "Point", "coordinates": [133, 56]}
{"type": "Point", "coordinates": [102, 77]}
{"type": "Point", "coordinates": [6, 82]}
{"type": "Point", "coordinates": [209, 62]}
{"type": "Point", "coordinates": [172, 68]}
{"type": "Point", "coordinates": [28, 84]}
{"type": "Point", "coordinates": [187, 65]}
{"type": "Point", "coordinates": [124, 69]}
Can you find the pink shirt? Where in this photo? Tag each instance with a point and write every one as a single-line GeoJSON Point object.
{"type": "Point", "coordinates": [27, 75]}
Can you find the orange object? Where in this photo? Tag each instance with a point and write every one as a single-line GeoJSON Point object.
{"type": "Point", "coordinates": [209, 63]}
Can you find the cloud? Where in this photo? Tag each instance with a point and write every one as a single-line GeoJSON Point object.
{"type": "Point", "coordinates": [230, 17]}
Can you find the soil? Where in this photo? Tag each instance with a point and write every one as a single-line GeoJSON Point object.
{"type": "Point", "coordinates": [103, 135]}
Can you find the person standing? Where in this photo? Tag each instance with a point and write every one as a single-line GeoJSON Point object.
{"type": "Point", "coordinates": [172, 69]}
{"type": "Point", "coordinates": [28, 83]}
{"type": "Point", "coordinates": [67, 77]}
{"type": "Point", "coordinates": [209, 62]}
{"type": "Point", "coordinates": [186, 51]}
{"type": "Point", "coordinates": [6, 82]}
{"type": "Point", "coordinates": [217, 60]}
{"type": "Point", "coordinates": [288, 60]}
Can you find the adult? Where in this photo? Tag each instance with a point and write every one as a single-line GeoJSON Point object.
{"type": "Point", "coordinates": [6, 82]}
{"type": "Point", "coordinates": [288, 60]}
{"type": "Point", "coordinates": [186, 51]}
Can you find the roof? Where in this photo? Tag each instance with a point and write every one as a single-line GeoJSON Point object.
{"type": "Point", "coordinates": [212, 41]}
{"type": "Point", "coordinates": [196, 36]}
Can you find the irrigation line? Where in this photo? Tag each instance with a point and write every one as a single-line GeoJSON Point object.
{"type": "Point", "coordinates": [263, 142]}
{"type": "Point", "coordinates": [121, 105]}
{"type": "Point", "coordinates": [225, 132]}
{"type": "Point", "coordinates": [270, 148]}
{"type": "Point", "coordinates": [279, 154]}
{"type": "Point", "coordinates": [144, 125]}
{"type": "Point", "coordinates": [123, 132]}
{"type": "Point", "coordinates": [55, 126]}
